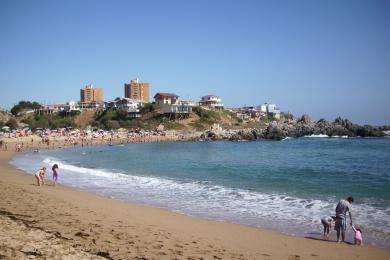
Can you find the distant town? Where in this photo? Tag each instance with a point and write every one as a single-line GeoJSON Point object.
{"type": "Point", "coordinates": [137, 94]}
{"type": "Point", "coordinates": [203, 119]}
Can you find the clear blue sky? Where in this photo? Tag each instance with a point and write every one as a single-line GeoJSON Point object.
{"type": "Point", "coordinates": [324, 58]}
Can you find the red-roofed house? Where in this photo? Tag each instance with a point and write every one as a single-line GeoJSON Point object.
{"type": "Point", "coordinates": [166, 98]}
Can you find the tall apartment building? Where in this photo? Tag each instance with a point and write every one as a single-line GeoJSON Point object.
{"type": "Point", "coordinates": [137, 90]}
{"type": "Point", "coordinates": [91, 94]}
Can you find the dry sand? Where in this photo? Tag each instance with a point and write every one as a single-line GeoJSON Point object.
{"type": "Point", "coordinates": [62, 223]}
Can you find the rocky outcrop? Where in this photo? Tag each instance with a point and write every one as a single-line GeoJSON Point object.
{"type": "Point", "coordinates": [306, 127]}
{"type": "Point", "coordinates": [217, 133]}
{"type": "Point", "coordinates": [303, 126]}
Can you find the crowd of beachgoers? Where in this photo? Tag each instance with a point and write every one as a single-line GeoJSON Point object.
{"type": "Point", "coordinates": [21, 140]}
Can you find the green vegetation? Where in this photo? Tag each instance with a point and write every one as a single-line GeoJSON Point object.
{"type": "Point", "coordinates": [50, 121]}
{"type": "Point", "coordinates": [12, 123]}
{"type": "Point", "coordinates": [197, 125]}
{"type": "Point", "coordinates": [206, 118]}
{"type": "Point", "coordinates": [114, 119]}
{"type": "Point", "coordinates": [151, 118]}
{"type": "Point", "coordinates": [171, 125]}
{"type": "Point", "coordinates": [148, 108]}
{"type": "Point", "coordinates": [23, 105]}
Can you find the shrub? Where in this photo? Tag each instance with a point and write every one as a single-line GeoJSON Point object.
{"type": "Point", "coordinates": [12, 123]}
{"type": "Point", "coordinates": [207, 116]}
{"type": "Point", "coordinates": [112, 124]}
{"type": "Point", "coordinates": [148, 107]}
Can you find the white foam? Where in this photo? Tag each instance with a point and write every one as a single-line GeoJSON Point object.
{"type": "Point", "coordinates": [317, 136]}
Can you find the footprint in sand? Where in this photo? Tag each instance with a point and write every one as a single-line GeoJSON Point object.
{"type": "Point", "coordinates": [158, 246]}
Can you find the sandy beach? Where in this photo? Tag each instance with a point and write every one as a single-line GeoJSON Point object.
{"type": "Point", "coordinates": [62, 223]}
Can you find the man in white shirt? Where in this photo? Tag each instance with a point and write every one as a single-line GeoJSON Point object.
{"type": "Point", "coordinates": [342, 208]}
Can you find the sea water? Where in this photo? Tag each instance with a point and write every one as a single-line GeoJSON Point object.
{"type": "Point", "coordinates": [286, 186]}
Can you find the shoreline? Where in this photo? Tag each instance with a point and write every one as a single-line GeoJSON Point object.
{"type": "Point", "coordinates": [160, 233]}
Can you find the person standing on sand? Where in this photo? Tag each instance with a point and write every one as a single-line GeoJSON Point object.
{"type": "Point", "coordinates": [40, 175]}
{"type": "Point", "coordinates": [55, 174]}
{"type": "Point", "coordinates": [342, 208]}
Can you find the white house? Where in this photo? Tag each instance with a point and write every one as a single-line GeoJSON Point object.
{"type": "Point", "coordinates": [188, 103]}
{"type": "Point", "coordinates": [91, 105]}
{"type": "Point", "coordinates": [51, 109]}
{"type": "Point", "coordinates": [262, 108]}
{"type": "Point", "coordinates": [128, 104]}
{"type": "Point", "coordinates": [270, 109]}
{"type": "Point", "coordinates": [178, 111]}
{"type": "Point", "coordinates": [72, 106]}
{"type": "Point", "coordinates": [211, 101]}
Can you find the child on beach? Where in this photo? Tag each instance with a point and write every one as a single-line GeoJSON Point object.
{"type": "Point", "coordinates": [55, 174]}
{"type": "Point", "coordinates": [40, 176]}
{"type": "Point", "coordinates": [327, 223]}
{"type": "Point", "coordinates": [358, 236]}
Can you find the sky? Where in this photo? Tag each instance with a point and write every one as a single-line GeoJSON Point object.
{"type": "Point", "coordinates": [322, 58]}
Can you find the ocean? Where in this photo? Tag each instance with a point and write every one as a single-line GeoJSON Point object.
{"type": "Point", "coordinates": [287, 186]}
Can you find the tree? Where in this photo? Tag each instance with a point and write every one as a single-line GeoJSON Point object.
{"type": "Point", "coordinates": [22, 105]}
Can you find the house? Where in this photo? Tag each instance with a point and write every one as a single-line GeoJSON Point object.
{"type": "Point", "coordinates": [177, 111]}
{"type": "Point", "coordinates": [270, 109]}
{"type": "Point", "coordinates": [166, 98]}
{"type": "Point", "coordinates": [211, 102]}
{"type": "Point", "coordinates": [91, 105]}
{"type": "Point", "coordinates": [51, 109]}
{"type": "Point", "coordinates": [189, 103]}
{"type": "Point", "coordinates": [252, 112]}
{"type": "Point", "coordinates": [128, 104]}
{"type": "Point", "coordinates": [132, 106]}
{"type": "Point", "coordinates": [72, 106]}
{"type": "Point", "coordinates": [247, 113]}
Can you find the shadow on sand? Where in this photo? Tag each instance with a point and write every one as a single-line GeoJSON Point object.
{"type": "Point", "coordinates": [329, 241]}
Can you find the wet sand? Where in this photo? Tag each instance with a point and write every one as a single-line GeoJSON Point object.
{"type": "Point", "coordinates": [63, 223]}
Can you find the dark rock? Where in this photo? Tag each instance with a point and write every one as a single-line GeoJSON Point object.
{"type": "Point", "coordinates": [275, 132]}
{"type": "Point", "coordinates": [305, 119]}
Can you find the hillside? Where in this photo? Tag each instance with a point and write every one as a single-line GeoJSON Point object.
{"type": "Point", "coordinates": [213, 124]}
{"type": "Point", "coordinates": [152, 117]}
{"type": "Point", "coordinates": [4, 116]}
{"type": "Point", "coordinates": [85, 118]}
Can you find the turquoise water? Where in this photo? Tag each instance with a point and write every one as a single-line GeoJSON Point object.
{"type": "Point", "coordinates": [283, 185]}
